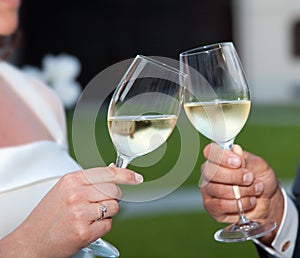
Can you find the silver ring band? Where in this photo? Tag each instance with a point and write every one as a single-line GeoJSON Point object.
{"type": "Point", "coordinates": [101, 211]}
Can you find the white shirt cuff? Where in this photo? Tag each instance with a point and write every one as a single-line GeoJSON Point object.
{"type": "Point", "coordinates": [284, 242]}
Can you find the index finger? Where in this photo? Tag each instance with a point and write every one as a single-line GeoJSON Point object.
{"type": "Point", "coordinates": [111, 174]}
{"type": "Point", "coordinates": [226, 158]}
{"type": "Point", "coordinates": [223, 175]}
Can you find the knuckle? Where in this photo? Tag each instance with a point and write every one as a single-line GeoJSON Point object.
{"type": "Point", "coordinates": [225, 193]}
{"type": "Point", "coordinates": [129, 176]}
{"type": "Point", "coordinates": [208, 206]}
{"type": "Point", "coordinates": [222, 206]}
{"type": "Point", "coordinates": [116, 191]}
{"type": "Point", "coordinates": [111, 171]}
{"type": "Point", "coordinates": [106, 225]}
{"type": "Point", "coordinates": [83, 233]}
{"type": "Point", "coordinates": [219, 191]}
{"type": "Point", "coordinates": [73, 197]}
{"type": "Point", "coordinates": [78, 214]}
{"type": "Point", "coordinates": [116, 207]}
{"type": "Point", "coordinates": [215, 211]}
{"type": "Point", "coordinates": [205, 170]}
{"type": "Point", "coordinates": [234, 178]}
{"type": "Point", "coordinates": [246, 203]}
{"type": "Point", "coordinates": [227, 205]}
{"type": "Point", "coordinates": [70, 179]}
{"type": "Point", "coordinates": [69, 182]}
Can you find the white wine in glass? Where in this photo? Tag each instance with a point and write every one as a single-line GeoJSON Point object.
{"type": "Point", "coordinates": [217, 103]}
{"type": "Point", "coordinates": [132, 134]}
{"type": "Point", "coordinates": [227, 117]}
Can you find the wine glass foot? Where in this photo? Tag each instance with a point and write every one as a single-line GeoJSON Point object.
{"type": "Point", "coordinates": [244, 232]}
{"type": "Point", "coordinates": [102, 248]}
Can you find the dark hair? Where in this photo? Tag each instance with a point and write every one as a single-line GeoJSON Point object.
{"type": "Point", "coordinates": [8, 45]}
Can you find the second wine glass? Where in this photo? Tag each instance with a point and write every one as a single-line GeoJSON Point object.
{"type": "Point", "coordinates": [217, 103]}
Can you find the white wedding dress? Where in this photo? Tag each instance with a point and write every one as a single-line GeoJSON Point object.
{"type": "Point", "coordinates": [27, 172]}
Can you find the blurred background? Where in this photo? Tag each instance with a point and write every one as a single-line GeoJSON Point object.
{"type": "Point", "coordinates": [102, 33]}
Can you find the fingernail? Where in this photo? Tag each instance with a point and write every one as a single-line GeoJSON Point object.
{"type": "Point", "coordinates": [111, 165]}
{"type": "Point", "coordinates": [248, 178]}
{"type": "Point", "coordinates": [234, 162]}
{"type": "Point", "coordinates": [139, 178]}
{"type": "Point", "coordinates": [258, 187]}
{"type": "Point", "coordinates": [253, 201]}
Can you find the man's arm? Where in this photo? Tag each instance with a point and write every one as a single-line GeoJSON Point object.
{"type": "Point", "coordinates": [284, 243]}
{"type": "Point", "coordinates": [296, 192]}
{"type": "Point", "coordinates": [287, 239]}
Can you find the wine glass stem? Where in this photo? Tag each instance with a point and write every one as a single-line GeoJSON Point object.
{"type": "Point", "coordinates": [242, 218]}
{"type": "Point", "coordinates": [121, 162]}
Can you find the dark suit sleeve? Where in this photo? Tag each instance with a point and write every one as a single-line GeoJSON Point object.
{"type": "Point", "coordinates": [262, 253]}
{"type": "Point", "coordinates": [296, 192]}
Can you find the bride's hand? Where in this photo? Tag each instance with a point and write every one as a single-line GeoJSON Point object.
{"type": "Point", "coordinates": [69, 217]}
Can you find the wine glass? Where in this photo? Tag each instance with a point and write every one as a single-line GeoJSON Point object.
{"type": "Point", "coordinates": [217, 103]}
{"type": "Point", "coordinates": [143, 112]}
{"type": "Point", "coordinates": [144, 108]}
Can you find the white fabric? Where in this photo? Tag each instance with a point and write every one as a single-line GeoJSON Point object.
{"type": "Point", "coordinates": [27, 164]}
{"type": "Point", "coordinates": [287, 231]}
{"type": "Point", "coordinates": [27, 172]}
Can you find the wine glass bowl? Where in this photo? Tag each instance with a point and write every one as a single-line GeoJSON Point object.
{"type": "Point", "coordinates": [217, 99]}
{"type": "Point", "coordinates": [217, 103]}
{"type": "Point", "coordinates": [144, 108]}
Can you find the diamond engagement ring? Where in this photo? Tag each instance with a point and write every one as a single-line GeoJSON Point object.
{"type": "Point", "coordinates": [101, 210]}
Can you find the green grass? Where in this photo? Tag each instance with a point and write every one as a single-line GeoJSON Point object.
{"type": "Point", "coordinates": [172, 236]}
{"type": "Point", "coordinates": [271, 132]}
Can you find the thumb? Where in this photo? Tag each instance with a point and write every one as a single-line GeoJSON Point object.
{"type": "Point", "coordinates": [237, 149]}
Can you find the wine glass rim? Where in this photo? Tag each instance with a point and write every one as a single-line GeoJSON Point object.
{"type": "Point", "coordinates": [206, 48]}
{"type": "Point", "coordinates": [160, 64]}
